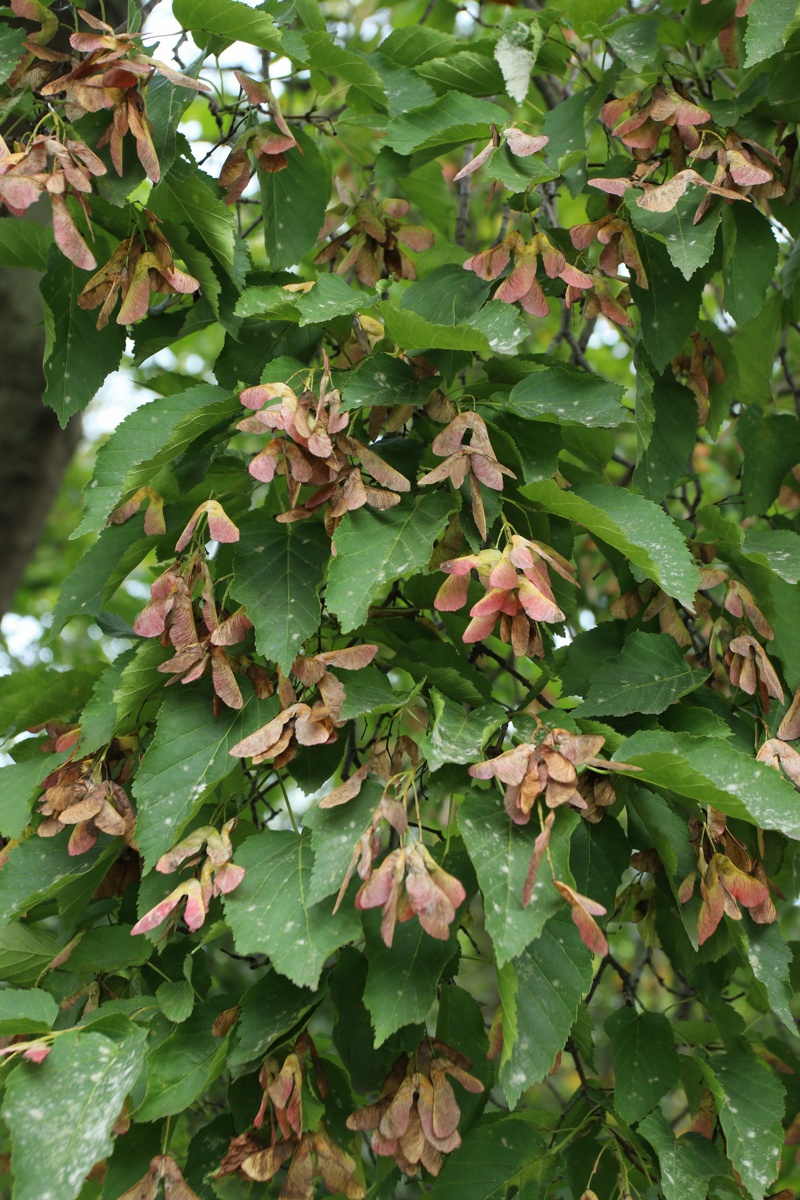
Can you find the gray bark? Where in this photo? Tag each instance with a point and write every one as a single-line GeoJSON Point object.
{"type": "Point", "coordinates": [34, 450]}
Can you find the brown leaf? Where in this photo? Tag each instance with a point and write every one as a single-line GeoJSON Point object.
{"type": "Point", "coordinates": [713, 904]}
{"type": "Point", "coordinates": [539, 849]}
{"type": "Point", "coordinates": [145, 1188]}
{"type": "Point", "coordinates": [789, 728]}
{"type": "Point", "coordinates": [584, 911]}
{"type": "Point", "coordinates": [748, 891]}
{"type": "Point", "coordinates": [524, 144]}
{"type": "Point", "coordinates": [346, 790]}
{"type": "Point", "coordinates": [67, 236]}
{"type": "Point", "coordinates": [265, 1164]}
{"type": "Point", "coordinates": [220, 527]}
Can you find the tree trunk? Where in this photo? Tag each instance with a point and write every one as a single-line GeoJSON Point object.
{"type": "Point", "coordinates": [34, 449]}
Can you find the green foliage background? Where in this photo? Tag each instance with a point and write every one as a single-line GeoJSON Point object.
{"type": "Point", "coordinates": [648, 425]}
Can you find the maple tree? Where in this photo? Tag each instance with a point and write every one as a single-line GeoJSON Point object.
{"type": "Point", "coordinates": [426, 822]}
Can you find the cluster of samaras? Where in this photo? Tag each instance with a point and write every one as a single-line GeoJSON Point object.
{"type": "Point", "coordinates": [728, 877]}
{"type": "Point", "coordinates": [107, 71]}
{"type": "Point", "coordinates": [414, 1121]}
{"type": "Point", "coordinates": [518, 592]}
{"type": "Point", "coordinates": [85, 795]}
{"type": "Point", "coordinates": [409, 882]}
{"type": "Point", "coordinates": [641, 120]}
{"type": "Point", "coordinates": [559, 768]}
{"type": "Point", "coordinates": [311, 446]}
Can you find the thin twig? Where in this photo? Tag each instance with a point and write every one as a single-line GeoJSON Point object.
{"type": "Point", "coordinates": [464, 192]}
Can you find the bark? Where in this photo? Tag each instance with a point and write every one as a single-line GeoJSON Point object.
{"type": "Point", "coordinates": [34, 450]}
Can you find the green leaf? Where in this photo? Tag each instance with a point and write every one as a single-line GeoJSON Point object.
{"type": "Point", "coordinates": [568, 125]}
{"type": "Point", "coordinates": [750, 1103]}
{"type": "Point", "coordinates": [502, 1156]}
{"type": "Point", "coordinates": [189, 755]}
{"type": "Point", "coordinates": [228, 19]}
{"type": "Point", "coordinates": [77, 358]}
{"type": "Point", "coordinates": [646, 1063]}
{"type": "Point", "coordinates": [689, 246]}
{"type": "Point", "coordinates": [404, 88]}
{"type": "Point", "coordinates": [415, 44]}
{"type": "Point", "coordinates": [687, 1163]}
{"type": "Point", "coordinates": [777, 549]}
{"type": "Point", "coordinates": [181, 1069]}
{"type": "Point", "coordinates": [28, 1010]}
{"type": "Point", "coordinates": [755, 349]}
{"type": "Point", "coordinates": [331, 297]}
{"type": "Point", "coordinates": [353, 1035]}
{"type": "Point", "coordinates": [769, 24]}
{"type": "Point", "coordinates": [40, 868]}
{"type": "Point", "coordinates": [370, 691]}
{"type": "Point", "coordinates": [599, 855]}
{"type": "Point", "coordinates": [517, 174]}
{"type": "Point", "coordinates": [456, 736]}
{"type": "Point", "coordinates": [668, 308]}
{"type": "Point", "coordinates": [763, 948]}
{"type": "Point", "coordinates": [751, 255]}
{"type": "Point", "coordinates": [710, 771]}
{"type": "Point", "coordinates": [500, 852]}
{"type": "Point", "coordinates": [447, 296]}
{"type": "Point", "coordinates": [502, 325]}
{"type": "Point", "coordinates": [666, 831]}
{"type": "Point", "coordinates": [666, 423]}
{"type": "Point", "coordinates": [635, 41]}
{"type": "Point", "coordinates": [460, 1022]}
{"type": "Point", "coordinates": [140, 678]}
{"type": "Point", "coordinates": [540, 992]}
{"type": "Point", "coordinates": [88, 588]}
{"type": "Point", "coordinates": [582, 1034]}
{"type": "Point", "coordinates": [564, 395]}
{"type": "Point", "coordinates": [278, 572]}
{"type": "Point", "coordinates": [199, 264]}
{"type": "Point", "coordinates": [10, 49]}
{"type": "Point", "coordinates": [412, 332]}
{"type": "Point", "coordinates": [402, 981]}
{"type": "Point", "coordinates": [187, 197]}
{"type": "Point", "coordinates": [291, 228]}
{"type": "Point", "coordinates": [374, 548]}
{"type": "Point", "coordinates": [447, 124]}
{"type": "Point", "coordinates": [25, 952]}
{"type": "Point", "coordinates": [585, 13]}
{"type": "Point", "coordinates": [321, 53]}
{"type": "Point", "coordinates": [269, 913]}
{"type": "Point", "coordinates": [23, 243]}
{"type": "Point", "coordinates": [40, 693]}
{"type": "Point", "coordinates": [539, 454]}
{"type": "Point", "coordinates": [383, 379]}
{"type": "Point", "coordinates": [270, 1008]}
{"type": "Point", "coordinates": [334, 837]}
{"type": "Point", "coordinates": [636, 527]}
{"type": "Point", "coordinates": [649, 674]}
{"type": "Point", "coordinates": [111, 945]}
{"type": "Point", "coordinates": [99, 718]}
{"type": "Point", "coordinates": [149, 438]}
{"type": "Point", "coordinates": [166, 104]}
{"type": "Point", "coordinates": [79, 1090]}
{"type": "Point", "coordinates": [771, 447]}
{"type": "Point", "coordinates": [465, 71]}
{"type": "Point", "coordinates": [175, 999]}
{"type": "Point", "coordinates": [444, 668]}
{"type": "Point", "coordinates": [20, 784]}
{"type": "Point", "coordinates": [577, 662]}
